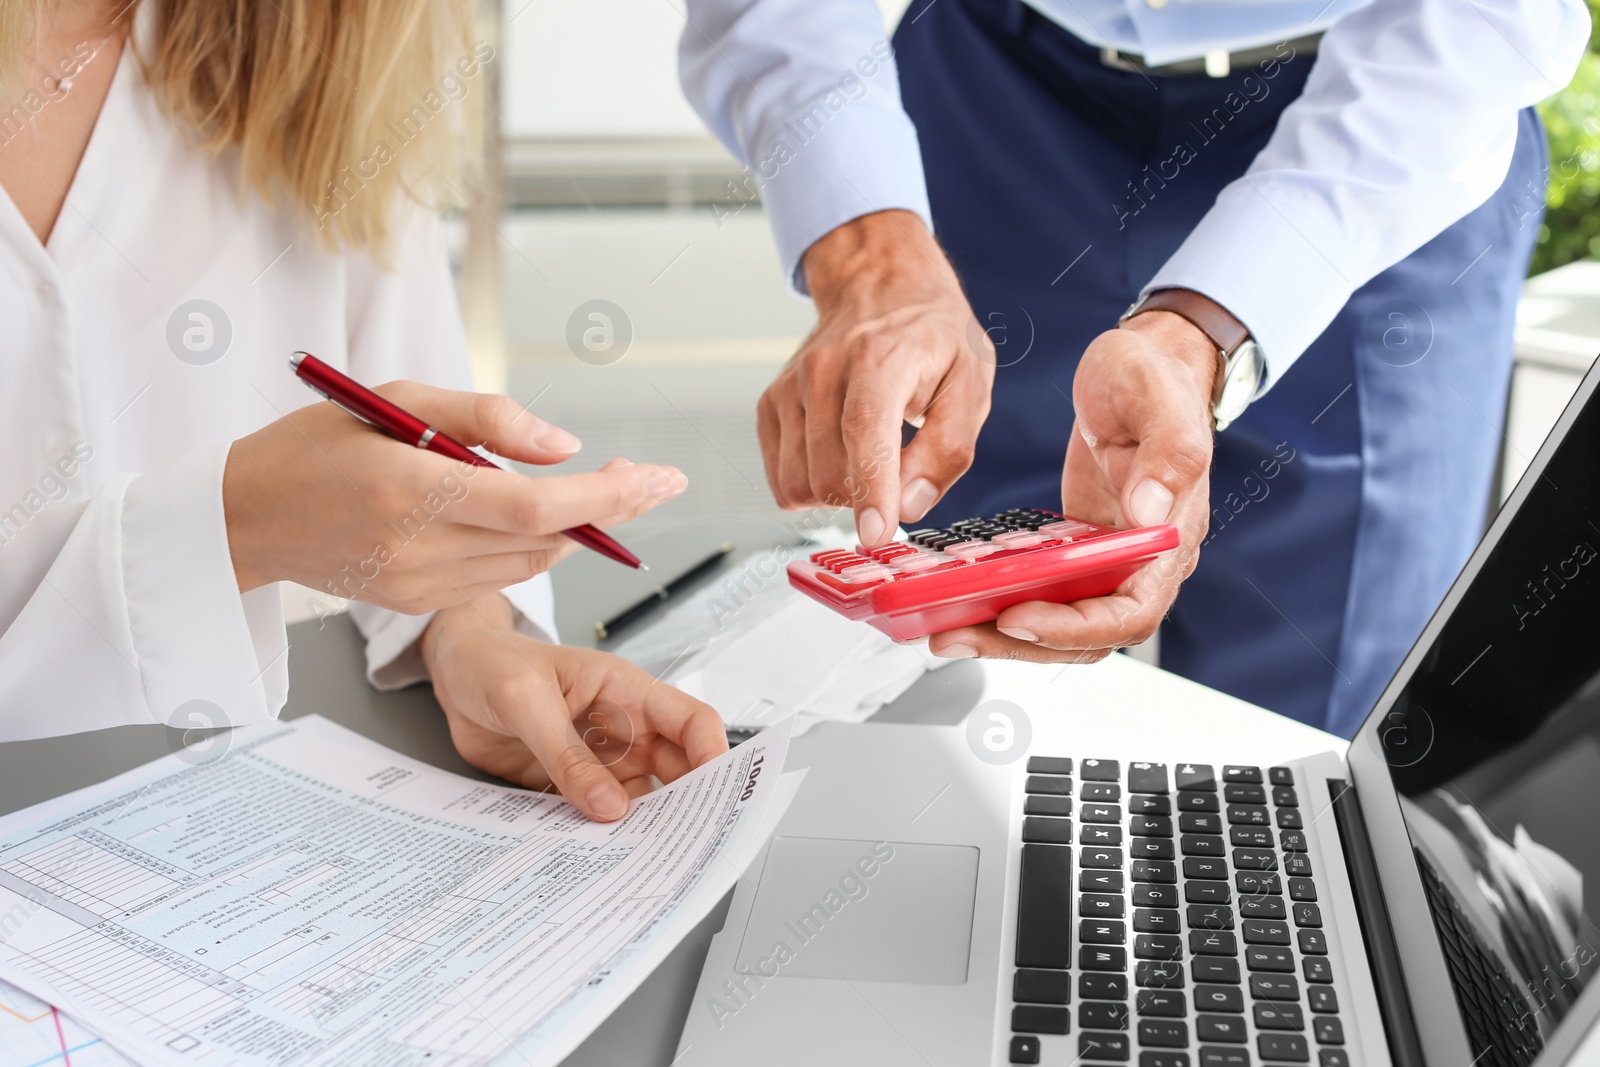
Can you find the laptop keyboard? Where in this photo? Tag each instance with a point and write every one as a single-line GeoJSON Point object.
{"type": "Point", "coordinates": [1500, 1028]}
{"type": "Point", "coordinates": [1159, 911]}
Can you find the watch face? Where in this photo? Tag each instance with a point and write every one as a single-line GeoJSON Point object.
{"type": "Point", "coordinates": [1243, 378]}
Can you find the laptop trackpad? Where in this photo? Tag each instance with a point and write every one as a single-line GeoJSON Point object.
{"type": "Point", "coordinates": [867, 910]}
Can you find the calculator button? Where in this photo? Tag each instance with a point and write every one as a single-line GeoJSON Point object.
{"type": "Point", "coordinates": [1024, 1049]}
{"type": "Point", "coordinates": [1019, 539]}
{"type": "Point", "coordinates": [1066, 529]}
{"type": "Point", "coordinates": [860, 574]}
{"type": "Point", "coordinates": [970, 550]}
{"type": "Point", "coordinates": [1041, 1019]}
{"type": "Point", "coordinates": [915, 562]}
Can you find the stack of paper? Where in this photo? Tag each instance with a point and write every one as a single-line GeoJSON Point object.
{"type": "Point", "coordinates": [757, 650]}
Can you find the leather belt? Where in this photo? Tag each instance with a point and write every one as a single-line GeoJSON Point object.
{"type": "Point", "coordinates": [1215, 64]}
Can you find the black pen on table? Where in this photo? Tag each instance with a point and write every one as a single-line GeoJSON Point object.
{"type": "Point", "coordinates": [660, 594]}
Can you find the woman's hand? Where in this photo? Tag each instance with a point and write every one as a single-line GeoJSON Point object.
{"type": "Point", "coordinates": [591, 724]}
{"type": "Point", "coordinates": [322, 499]}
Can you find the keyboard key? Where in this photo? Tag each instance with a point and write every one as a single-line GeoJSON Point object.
{"type": "Point", "coordinates": [1102, 932]}
{"type": "Point", "coordinates": [1244, 794]}
{"type": "Point", "coordinates": [1024, 1049]}
{"type": "Point", "coordinates": [1331, 1057]}
{"type": "Point", "coordinates": [1149, 826]}
{"type": "Point", "coordinates": [1047, 831]}
{"type": "Point", "coordinates": [1047, 804]}
{"type": "Point", "coordinates": [1317, 969]}
{"type": "Point", "coordinates": [1106, 792]}
{"type": "Point", "coordinates": [1313, 942]}
{"type": "Point", "coordinates": [1215, 969]}
{"type": "Point", "coordinates": [1297, 866]}
{"type": "Point", "coordinates": [1198, 802]}
{"type": "Point", "coordinates": [1111, 813]}
{"type": "Point", "coordinates": [1289, 1047]}
{"type": "Point", "coordinates": [1323, 1000]}
{"type": "Point", "coordinates": [1101, 835]}
{"type": "Point", "coordinates": [1147, 777]}
{"type": "Point", "coordinates": [1207, 892]}
{"type": "Point", "coordinates": [1250, 884]}
{"type": "Point", "coordinates": [1218, 998]}
{"type": "Point", "coordinates": [1102, 881]}
{"type": "Point", "coordinates": [1149, 804]}
{"type": "Point", "coordinates": [1109, 859]}
{"type": "Point", "coordinates": [1248, 815]}
{"type": "Point", "coordinates": [1041, 987]}
{"type": "Point", "coordinates": [1213, 943]}
{"type": "Point", "coordinates": [1155, 895]}
{"type": "Point", "coordinates": [1224, 1057]}
{"type": "Point", "coordinates": [1267, 907]}
{"type": "Point", "coordinates": [1210, 916]}
{"type": "Point", "coordinates": [1269, 958]}
{"type": "Point", "coordinates": [1284, 796]}
{"type": "Point", "coordinates": [1158, 974]}
{"type": "Point", "coordinates": [1152, 848]}
{"type": "Point", "coordinates": [1102, 986]}
{"type": "Point", "coordinates": [1202, 845]}
{"type": "Point", "coordinates": [1043, 783]}
{"type": "Point", "coordinates": [1274, 987]}
{"type": "Point", "coordinates": [1289, 819]}
{"type": "Point", "coordinates": [1102, 958]}
{"type": "Point", "coordinates": [1198, 776]}
{"type": "Point", "coordinates": [1040, 1019]}
{"type": "Point", "coordinates": [1165, 1003]}
{"type": "Point", "coordinates": [1044, 929]}
{"type": "Point", "coordinates": [1292, 840]}
{"type": "Point", "coordinates": [1213, 868]}
{"type": "Point", "coordinates": [1163, 1033]}
{"type": "Point", "coordinates": [1100, 905]}
{"type": "Point", "coordinates": [1156, 921]}
{"type": "Point", "coordinates": [1280, 776]}
{"type": "Point", "coordinates": [1235, 773]}
{"type": "Point", "coordinates": [1102, 1015]}
{"type": "Point", "coordinates": [1329, 1031]}
{"type": "Point", "coordinates": [1254, 859]}
{"type": "Point", "coordinates": [1158, 947]}
{"type": "Point", "coordinates": [1200, 822]}
{"type": "Point", "coordinates": [1302, 889]}
{"type": "Point", "coordinates": [1154, 871]}
{"type": "Point", "coordinates": [1275, 1016]}
{"type": "Point", "coordinates": [1229, 1028]}
{"type": "Point", "coordinates": [1049, 764]}
{"type": "Point", "coordinates": [1101, 770]}
{"type": "Point", "coordinates": [1250, 836]}
{"type": "Point", "coordinates": [1103, 1046]}
{"type": "Point", "coordinates": [1164, 1059]}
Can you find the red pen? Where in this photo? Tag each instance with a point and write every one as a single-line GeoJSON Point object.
{"type": "Point", "coordinates": [400, 424]}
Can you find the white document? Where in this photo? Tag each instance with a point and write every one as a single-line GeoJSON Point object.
{"type": "Point", "coordinates": [34, 1034]}
{"type": "Point", "coordinates": [314, 898]}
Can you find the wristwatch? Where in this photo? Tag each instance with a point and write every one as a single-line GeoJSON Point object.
{"type": "Point", "coordinates": [1240, 364]}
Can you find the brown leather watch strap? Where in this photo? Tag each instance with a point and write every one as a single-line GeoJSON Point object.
{"type": "Point", "coordinates": [1209, 317]}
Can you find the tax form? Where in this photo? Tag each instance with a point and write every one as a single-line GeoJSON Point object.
{"type": "Point", "coordinates": [311, 897]}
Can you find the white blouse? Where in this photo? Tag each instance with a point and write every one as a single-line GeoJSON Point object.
{"type": "Point", "coordinates": [118, 602]}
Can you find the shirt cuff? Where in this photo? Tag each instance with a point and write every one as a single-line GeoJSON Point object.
{"type": "Point", "coordinates": [394, 648]}
{"type": "Point", "coordinates": [1272, 262]}
{"type": "Point", "coordinates": [203, 650]}
{"type": "Point", "coordinates": [862, 162]}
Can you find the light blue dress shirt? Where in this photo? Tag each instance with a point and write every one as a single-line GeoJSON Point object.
{"type": "Point", "coordinates": [1406, 124]}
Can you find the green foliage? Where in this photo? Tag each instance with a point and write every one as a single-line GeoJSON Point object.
{"type": "Point", "coordinates": [1571, 227]}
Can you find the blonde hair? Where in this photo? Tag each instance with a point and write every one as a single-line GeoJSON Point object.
{"type": "Point", "coordinates": [342, 106]}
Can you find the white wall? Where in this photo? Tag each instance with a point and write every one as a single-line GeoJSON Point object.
{"type": "Point", "coordinates": [600, 68]}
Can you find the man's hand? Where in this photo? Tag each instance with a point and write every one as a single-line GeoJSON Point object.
{"type": "Point", "coordinates": [895, 342]}
{"type": "Point", "coordinates": [590, 724]}
{"type": "Point", "coordinates": [1140, 455]}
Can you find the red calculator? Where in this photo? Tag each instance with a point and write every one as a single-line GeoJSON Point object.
{"type": "Point", "coordinates": [969, 572]}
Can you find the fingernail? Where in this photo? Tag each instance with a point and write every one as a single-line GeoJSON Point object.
{"type": "Point", "coordinates": [870, 526]}
{"type": "Point", "coordinates": [1019, 633]}
{"type": "Point", "coordinates": [955, 652]}
{"type": "Point", "coordinates": [916, 498]}
{"type": "Point", "coordinates": [608, 801]}
{"type": "Point", "coordinates": [1150, 502]}
{"type": "Point", "coordinates": [664, 484]}
{"type": "Point", "coordinates": [555, 439]}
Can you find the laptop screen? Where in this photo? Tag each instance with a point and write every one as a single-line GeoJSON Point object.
{"type": "Point", "coordinates": [1491, 737]}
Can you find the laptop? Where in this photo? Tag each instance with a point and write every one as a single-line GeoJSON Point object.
{"type": "Point", "coordinates": [1426, 897]}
